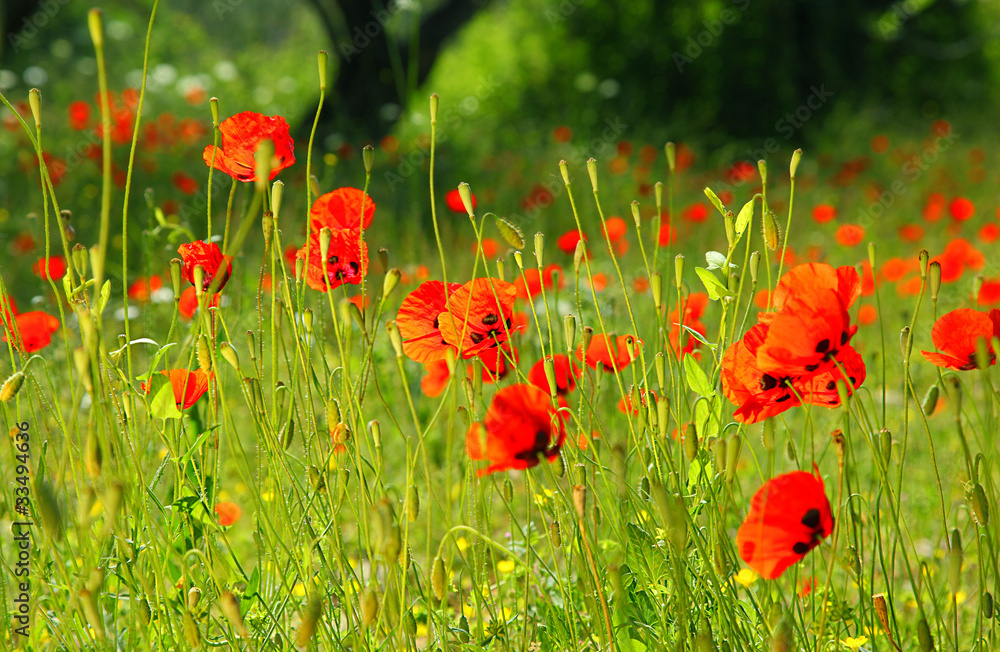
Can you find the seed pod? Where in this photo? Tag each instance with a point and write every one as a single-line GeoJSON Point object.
{"type": "Point", "coordinates": [310, 620]}
{"type": "Point", "coordinates": [979, 505]}
{"type": "Point", "coordinates": [438, 579]}
{"type": "Point", "coordinates": [771, 232]}
{"type": "Point", "coordinates": [882, 612]}
{"type": "Point", "coordinates": [289, 434]}
{"type": "Point", "coordinates": [267, 226]}
{"type": "Point", "coordinates": [931, 399]}
{"type": "Point", "coordinates": [230, 356]}
{"type": "Point", "coordinates": [508, 490]}
{"type": "Point", "coordinates": [569, 329]}
{"type": "Point", "coordinates": [924, 636]}
{"type": "Point", "coordinates": [11, 387]}
{"type": "Point", "coordinates": [678, 269]}
{"type": "Point", "coordinates": [987, 604]}
{"type": "Point", "coordinates": [592, 172]}
{"type": "Point", "coordinates": [671, 152]}
{"type": "Point", "coordinates": [395, 338]}
{"type": "Point", "coordinates": [885, 444]}
{"type": "Point", "coordinates": [656, 288]}
{"type": "Point", "coordinates": [412, 504]}
{"type": "Point", "coordinates": [556, 534]}
{"type": "Point", "coordinates": [369, 606]}
{"type": "Point", "coordinates": [92, 456]}
{"type": "Point", "coordinates": [144, 611]}
{"type": "Point", "coordinates": [204, 354]}
{"type": "Point", "coordinates": [390, 281]}
{"type": "Point", "coordinates": [955, 559]}
{"type": "Point", "coordinates": [935, 280]}
{"type": "Point", "coordinates": [690, 442]}
{"type": "Point", "coordinates": [317, 479]}
{"type": "Point", "coordinates": [465, 193]}
{"type": "Point", "coordinates": [580, 500]}
{"type": "Point", "coordinates": [191, 632]}
{"type": "Point", "coordinates": [733, 448]}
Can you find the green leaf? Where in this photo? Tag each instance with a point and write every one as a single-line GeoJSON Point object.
{"type": "Point", "coordinates": [716, 290]}
{"type": "Point", "coordinates": [102, 301]}
{"type": "Point", "coordinates": [163, 405]}
{"type": "Point", "coordinates": [745, 217]}
{"type": "Point", "coordinates": [715, 259]}
{"type": "Point", "coordinates": [510, 232]}
{"type": "Point", "coordinates": [696, 378]}
{"type": "Point", "coordinates": [712, 197]}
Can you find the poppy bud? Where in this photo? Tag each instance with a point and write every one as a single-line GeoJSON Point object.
{"type": "Point", "coordinates": [754, 266]}
{"type": "Point", "coordinates": [539, 246]}
{"type": "Point", "coordinates": [325, 234]}
{"type": "Point", "coordinates": [564, 172]}
{"type": "Point", "coordinates": [92, 612]}
{"type": "Point", "coordinates": [733, 448]}
{"type": "Point", "coordinates": [465, 193]}
{"type": "Point", "coordinates": [978, 504]}
{"type": "Point", "coordinates": [229, 355]}
{"type": "Point", "coordinates": [580, 500]}
{"type": "Point", "coordinates": [395, 338]}
{"type": "Point", "coordinates": [204, 354]}
{"type": "Point", "coordinates": [11, 387]}
{"type": "Point", "coordinates": [671, 152]}
{"type": "Point", "coordinates": [193, 598]}
{"type": "Point", "coordinates": [368, 156]}
{"type": "Point", "coordinates": [79, 256]}
{"type": "Point", "coordinates": [277, 191]}
{"type": "Point", "coordinates": [289, 435]}
{"type": "Point", "coordinates": [782, 640]}
{"type": "Point", "coordinates": [924, 636]}
{"type": "Point", "coordinates": [569, 329]}
{"type": "Point", "coordinates": [231, 610]}
{"type": "Point", "coordinates": [987, 604]}
{"type": "Point", "coordinates": [578, 253]}
{"type": "Point", "coordinates": [794, 164]}
{"type": "Point", "coordinates": [35, 103]}
{"type": "Point", "coordinates": [556, 534]}
{"type": "Point", "coordinates": [839, 443]}
{"type": "Point", "coordinates": [340, 434]}
{"type": "Point", "coordinates": [434, 108]}
{"type": "Point", "coordinates": [307, 320]}
{"type": "Point", "coordinates": [299, 269]}
{"type": "Point", "coordinates": [592, 172]}
{"type": "Point", "coordinates": [412, 504]}
{"type": "Point", "coordinates": [112, 506]}
{"type": "Point", "coordinates": [310, 619]}
{"type": "Point", "coordinates": [922, 258]}
{"type": "Point", "coordinates": [92, 456]}
{"type": "Point", "coordinates": [955, 559]}
{"type": "Point", "coordinates": [690, 442]}
{"type": "Point", "coordinates": [935, 282]}
{"type": "Point", "coordinates": [718, 446]}
{"type": "Point", "coordinates": [317, 479]}
{"type": "Point", "coordinates": [931, 399]}
{"type": "Point", "coordinates": [267, 226]}
{"type": "Point", "coordinates": [376, 432]}
{"type": "Point", "coordinates": [96, 28]}
{"type": "Point", "coordinates": [48, 509]}
{"type": "Point", "coordinates": [656, 288]}
{"type": "Point", "coordinates": [501, 267]}
{"type": "Point", "coordinates": [762, 169]}
{"type": "Point", "coordinates": [519, 261]}
{"type": "Point", "coordinates": [882, 613]}
{"type": "Point", "coordinates": [438, 579]}
{"type": "Point", "coordinates": [771, 232]}
{"type": "Point", "coordinates": [663, 414]}
{"type": "Point", "coordinates": [905, 342]}
{"type": "Point", "coordinates": [885, 444]}
{"type": "Point", "coordinates": [678, 270]}
{"type": "Point", "coordinates": [369, 606]}
{"type": "Point", "coordinates": [83, 506]}
{"type": "Point", "coordinates": [767, 435]}
{"type": "Point", "coordinates": [704, 642]}
{"type": "Point", "coordinates": [144, 611]}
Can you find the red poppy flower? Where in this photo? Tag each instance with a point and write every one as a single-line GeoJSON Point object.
{"type": "Point", "coordinates": [565, 374]}
{"type": "Point", "coordinates": [490, 247]}
{"type": "Point", "coordinates": [612, 354]}
{"type": "Point", "coordinates": [531, 284]}
{"type": "Point", "coordinates": [184, 182]}
{"type": "Point", "coordinates": [187, 305]}
{"type": "Point", "coordinates": [188, 386]}
{"type": "Point", "coordinates": [211, 260]}
{"type": "Point", "coordinates": [759, 394]}
{"type": "Point", "coordinates": [34, 330]}
{"type": "Point", "coordinates": [228, 513]}
{"type": "Point", "coordinates": [824, 213]}
{"type": "Point", "coordinates": [989, 232]}
{"type": "Point", "coordinates": [520, 426]}
{"type": "Point", "coordinates": [436, 379]}
{"type": "Point", "coordinates": [616, 228]}
{"type": "Point", "coordinates": [567, 241]}
{"type": "Point", "coordinates": [741, 172]}
{"type": "Point", "coordinates": [453, 200]}
{"type": "Point", "coordinates": [418, 324]}
{"type": "Point", "coordinates": [850, 235]}
{"type": "Point", "coordinates": [341, 209]}
{"type": "Point", "coordinates": [695, 213]}
{"type": "Point", "coordinates": [562, 134]}
{"type": "Point", "coordinates": [911, 233]}
{"type": "Point", "coordinates": [667, 234]}
{"type": "Point", "coordinates": [143, 288]}
{"type": "Point", "coordinates": [895, 269]}
{"type": "Point", "coordinates": [958, 255]}
{"type": "Point", "coordinates": [539, 197]}
{"type": "Point", "coordinates": [789, 516]}
{"type": "Point", "coordinates": [477, 319]}
{"type": "Point", "coordinates": [241, 134]}
{"type": "Point", "coordinates": [962, 209]}
{"type": "Point", "coordinates": [79, 115]}
{"type": "Point", "coordinates": [346, 260]}
{"type": "Point", "coordinates": [880, 144]}
{"type": "Point", "coordinates": [496, 363]}
{"type": "Point", "coordinates": [956, 335]}
{"type": "Point", "coordinates": [989, 293]}
{"type": "Point", "coordinates": [693, 307]}
{"type": "Point", "coordinates": [54, 267]}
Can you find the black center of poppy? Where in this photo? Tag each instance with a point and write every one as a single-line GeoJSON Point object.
{"type": "Point", "coordinates": [540, 444]}
{"type": "Point", "coordinates": [436, 322]}
{"type": "Point", "coordinates": [823, 346]}
{"type": "Point", "coordinates": [476, 337]}
{"type": "Point", "coordinates": [811, 519]}
{"type": "Point", "coordinates": [490, 319]}
{"type": "Point", "coordinates": [801, 548]}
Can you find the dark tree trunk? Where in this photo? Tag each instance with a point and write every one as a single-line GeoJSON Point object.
{"type": "Point", "coordinates": [367, 95]}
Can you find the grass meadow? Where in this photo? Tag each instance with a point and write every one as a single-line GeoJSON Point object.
{"type": "Point", "coordinates": [593, 394]}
